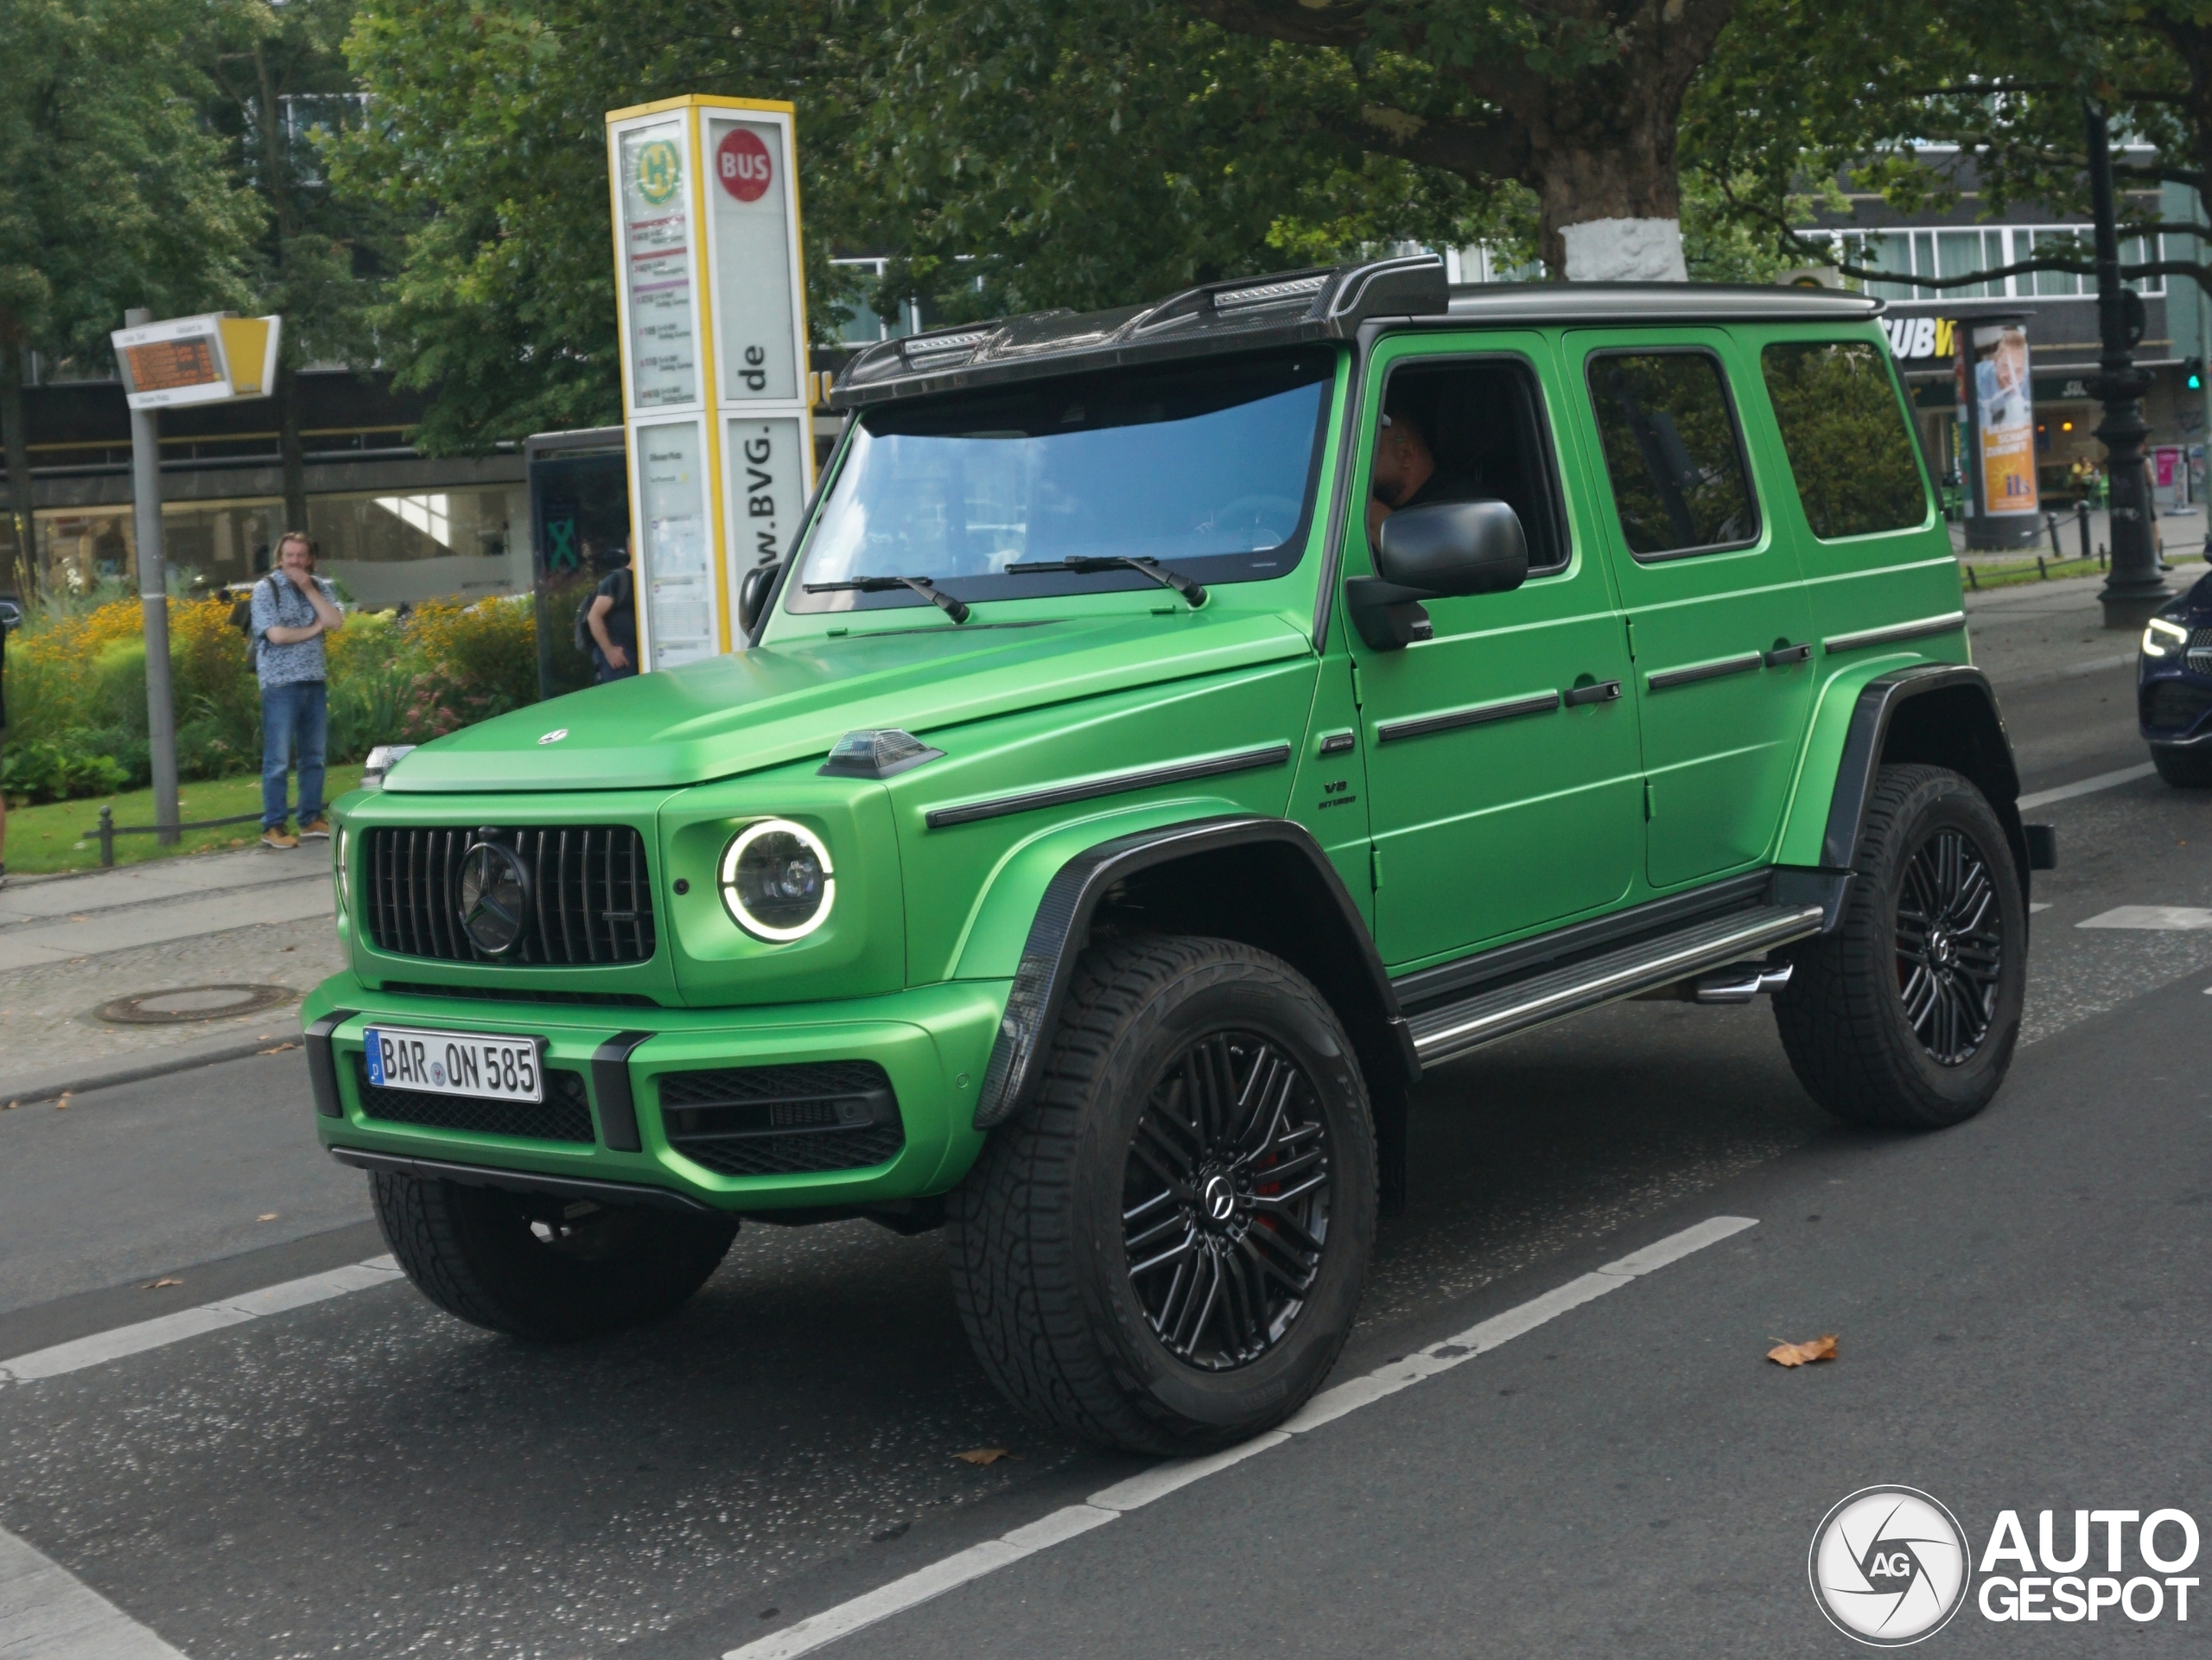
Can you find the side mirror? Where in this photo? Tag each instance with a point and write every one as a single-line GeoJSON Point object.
{"type": "Point", "coordinates": [752, 591]}
{"type": "Point", "coordinates": [1444, 550]}
{"type": "Point", "coordinates": [1454, 547]}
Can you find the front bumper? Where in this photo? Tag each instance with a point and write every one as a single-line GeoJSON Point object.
{"type": "Point", "coordinates": [932, 1044]}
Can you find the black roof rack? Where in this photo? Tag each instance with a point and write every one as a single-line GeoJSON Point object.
{"type": "Point", "coordinates": [1284, 309]}
{"type": "Point", "coordinates": [1291, 307]}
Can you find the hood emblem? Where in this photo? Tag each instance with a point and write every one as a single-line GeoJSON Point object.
{"type": "Point", "coordinates": [494, 898]}
{"type": "Point", "coordinates": [555, 735]}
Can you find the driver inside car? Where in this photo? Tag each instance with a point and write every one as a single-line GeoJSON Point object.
{"type": "Point", "coordinates": [1406, 475]}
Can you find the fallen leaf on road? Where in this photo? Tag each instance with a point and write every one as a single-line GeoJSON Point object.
{"type": "Point", "coordinates": [1801, 1354]}
{"type": "Point", "coordinates": [10, 1107]}
{"type": "Point", "coordinates": [155, 1285]}
{"type": "Point", "coordinates": [981, 1455]}
{"type": "Point", "coordinates": [62, 1106]}
{"type": "Point", "coordinates": [266, 1216]}
{"type": "Point", "coordinates": [278, 1049]}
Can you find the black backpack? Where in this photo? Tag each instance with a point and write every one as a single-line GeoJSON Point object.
{"type": "Point", "coordinates": [242, 620]}
{"type": "Point", "coordinates": [580, 631]}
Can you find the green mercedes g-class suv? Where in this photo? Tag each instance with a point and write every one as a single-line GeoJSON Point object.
{"type": "Point", "coordinates": [1173, 731]}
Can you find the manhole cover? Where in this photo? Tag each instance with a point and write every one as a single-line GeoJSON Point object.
{"type": "Point", "coordinates": [192, 1003]}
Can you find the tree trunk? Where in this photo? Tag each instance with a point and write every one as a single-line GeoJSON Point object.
{"type": "Point", "coordinates": [18, 444]}
{"type": "Point", "coordinates": [1585, 111]}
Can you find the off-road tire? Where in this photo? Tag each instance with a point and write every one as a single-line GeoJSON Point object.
{"type": "Point", "coordinates": [1842, 1017]}
{"type": "Point", "coordinates": [474, 1252]}
{"type": "Point", "coordinates": [1041, 1268]}
{"type": "Point", "coordinates": [2185, 769]}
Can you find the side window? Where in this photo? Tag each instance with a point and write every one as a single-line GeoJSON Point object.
{"type": "Point", "coordinates": [1849, 449]}
{"type": "Point", "coordinates": [1479, 428]}
{"type": "Point", "coordinates": [1673, 451]}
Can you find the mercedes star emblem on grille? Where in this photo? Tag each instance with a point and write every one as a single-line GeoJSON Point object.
{"type": "Point", "coordinates": [494, 898]}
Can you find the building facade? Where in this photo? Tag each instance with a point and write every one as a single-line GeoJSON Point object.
{"type": "Point", "coordinates": [393, 526]}
{"type": "Point", "coordinates": [2058, 311]}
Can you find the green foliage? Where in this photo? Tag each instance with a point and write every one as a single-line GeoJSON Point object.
{"type": "Point", "coordinates": [44, 770]}
{"type": "Point", "coordinates": [1036, 154]}
{"type": "Point", "coordinates": [77, 689]}
{"type": "Point", "coordinates": [490, 153]}
{"type": "Point", "coordinates": [112, 194]}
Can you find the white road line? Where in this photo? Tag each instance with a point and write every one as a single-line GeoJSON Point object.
{"type": "Point", "coordinates": [817, 1631]}
{"type": "Point", "coordinates": [2086, 786]}
{"type": "Point", "coordinates": [103, 1346]}
{"type": "Point", "coordinates": [47, 1613]}
{"type": "Point", "coordinates": [2150, 916]}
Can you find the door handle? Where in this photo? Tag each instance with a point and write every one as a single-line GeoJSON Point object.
{"type": "Point", "coordinates": [1604, 692]}
{"type": "Point", "coordinates": [1782, 654]}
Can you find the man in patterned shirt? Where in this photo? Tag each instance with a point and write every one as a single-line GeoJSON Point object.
{"type": "Point", "coordinates": [293, 609]}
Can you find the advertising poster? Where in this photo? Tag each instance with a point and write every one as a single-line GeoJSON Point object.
{"type": "Point", "coordinates": [2005, 419]}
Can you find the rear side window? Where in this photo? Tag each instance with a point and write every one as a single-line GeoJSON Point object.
{"type": "Point", "coordinates": [1849, 449]}
{"type": "Point", "coordinates": [1673, 452]}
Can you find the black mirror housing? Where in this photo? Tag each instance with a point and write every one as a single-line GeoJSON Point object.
{"type": "Point", "coordinates": [1454, 547]}
{"type": "Point", "coordinates": [1443, 550]}
{"type": "Point", "coordinates": [753, 590]}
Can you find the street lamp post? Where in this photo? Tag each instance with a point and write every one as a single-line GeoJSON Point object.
{"type": "Point", "coordinates": [2133, 588]}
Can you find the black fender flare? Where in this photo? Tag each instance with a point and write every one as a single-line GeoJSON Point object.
{"type": "Point", "coordinates": [1062, 929]}
{"type": "Point", "coordinates": [1941, 713]}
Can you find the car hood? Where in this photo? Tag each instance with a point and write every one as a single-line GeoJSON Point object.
{"type": "Point", "coordinates": [772, 704]}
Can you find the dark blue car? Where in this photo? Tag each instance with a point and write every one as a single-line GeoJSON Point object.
{"type": "Point", "coordinates": [2173, 688]}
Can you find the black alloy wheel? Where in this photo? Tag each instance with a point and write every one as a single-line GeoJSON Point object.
{"type": "Point", "coordinates": [1950, 947]}
{"type": "Point", "coordinates": [1226, 1200]}
{"type": "Point", "coordinates": [1905, 1014]}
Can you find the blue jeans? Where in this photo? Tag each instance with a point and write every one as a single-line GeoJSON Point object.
{"type": "Point", "coordinates": [294, 721]}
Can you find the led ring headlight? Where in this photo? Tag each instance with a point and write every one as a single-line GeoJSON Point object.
{"type": "Point", "coordinates": [776, 881]}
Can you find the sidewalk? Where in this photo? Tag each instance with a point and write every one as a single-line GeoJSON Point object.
{"type": "Point", "coordinates": [70, 944]}
{"type": "Point", "coordinates": [2180, 533]}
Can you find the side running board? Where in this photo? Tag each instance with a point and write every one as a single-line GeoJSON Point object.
{"type": "Point", "coordinates": [1441, 1033]}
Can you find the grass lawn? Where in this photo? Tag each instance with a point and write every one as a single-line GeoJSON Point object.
{"type": "Point", "coordinates": [2009, 575]}
{"type": "Point", "coordinates": [56, 836]}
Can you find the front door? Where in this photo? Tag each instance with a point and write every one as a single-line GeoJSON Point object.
{"type": "Point", "coordinates": [1503, 776]}
{"type": "Point", "coordinates": [1719, 619]}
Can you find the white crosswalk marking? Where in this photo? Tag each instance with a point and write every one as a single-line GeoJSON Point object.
{"type": "Point", "coordinates": [47, 1613]}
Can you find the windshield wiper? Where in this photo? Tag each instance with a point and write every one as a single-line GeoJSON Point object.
{"type": "Point", "coordinates": [956, 609]}
{"type": "Point", "coordinates": [1190, 589]}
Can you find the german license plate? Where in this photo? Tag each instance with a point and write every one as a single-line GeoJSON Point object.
{"type": "Point", "coordinates": [454, 1063]}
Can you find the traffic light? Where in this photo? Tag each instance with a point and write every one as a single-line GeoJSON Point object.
{"type": "Point", "coordinates": [2192, 374]}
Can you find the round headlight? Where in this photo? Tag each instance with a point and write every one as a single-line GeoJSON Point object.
{"type": "Point", "coordinates": [776, 881]}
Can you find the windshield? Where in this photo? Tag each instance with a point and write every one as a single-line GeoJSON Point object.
{"type": "Point", "coordinates": [1206, 467]}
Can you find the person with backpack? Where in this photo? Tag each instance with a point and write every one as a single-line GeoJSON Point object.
{"type": "Point", "coordinates": [292, 609]}
{"type": "Point", "coordinates": [607, 624]}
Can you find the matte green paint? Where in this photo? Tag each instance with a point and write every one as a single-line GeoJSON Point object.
{"type": "Point", "coordinates": [1452, 840]}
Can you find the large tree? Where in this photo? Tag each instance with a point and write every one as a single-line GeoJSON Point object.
{"type": "Point", "coordinates": [112, 193]}
{"type": "Point", "coordinates": [284, 95]}
{"type": "Point", "coordinates": [487, 147]}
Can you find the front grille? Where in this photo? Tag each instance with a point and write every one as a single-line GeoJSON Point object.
{"type": "Point", "coordinates": [563, 1115]}
{"type": "Point", "coordinates": [2174, 704]}
{"type": "Point", "coordinates": [2200, 651]}
{"type": "Point", "coordinates": [770, 1120]}
{"type": "Point", "coordinates": [591, 894]}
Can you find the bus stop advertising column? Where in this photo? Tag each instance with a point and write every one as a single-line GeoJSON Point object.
{"type": "Point", "coordinates": [1996, 407]}
{"type": "Point", "coordinates": [713, 324]}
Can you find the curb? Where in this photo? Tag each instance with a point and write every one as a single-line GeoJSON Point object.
{"type": "Point", "coordinates": [51, 1083]}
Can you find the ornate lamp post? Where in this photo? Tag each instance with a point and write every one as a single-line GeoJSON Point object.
{"type": "Point", "coordinates": [2133, 588]}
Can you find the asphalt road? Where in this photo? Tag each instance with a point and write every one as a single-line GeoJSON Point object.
{"type": "Point", "coordinates": [2020, 1320]}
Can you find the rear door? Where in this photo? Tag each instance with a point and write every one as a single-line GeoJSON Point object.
{"type": "Point", "coordinates": [1502, 774]}
{"type": "Point", "coordinates": [1719, 621]}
